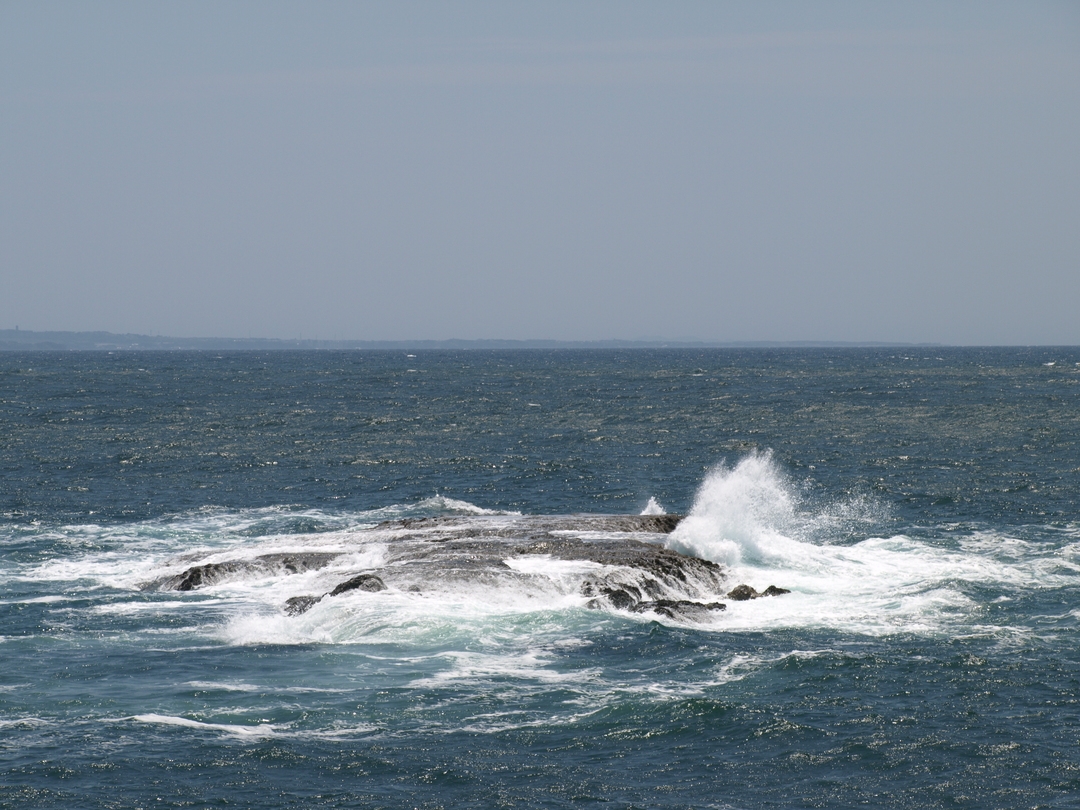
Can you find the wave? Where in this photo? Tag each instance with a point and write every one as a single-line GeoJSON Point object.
{"type": "Point", "coordinates": [753, 519]}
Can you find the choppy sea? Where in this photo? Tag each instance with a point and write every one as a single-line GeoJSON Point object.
{"type": "Point", "coordinates": [921, 504]}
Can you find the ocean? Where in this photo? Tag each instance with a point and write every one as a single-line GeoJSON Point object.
{"type": "Point", "coordinates": [443, 578]}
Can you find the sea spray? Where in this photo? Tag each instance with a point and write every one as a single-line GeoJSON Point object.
{"type": "Point", "coordinates": [653, 507]}
{"type": "Point", "coordinates": [739, 514]}
{"type": "Point", "coordinates": [753, 519]}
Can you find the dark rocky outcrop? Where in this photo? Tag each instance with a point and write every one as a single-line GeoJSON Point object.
{"type": "Point", "coordinates": [628, 597]}
{"type": "Point", "coordinates": [624, 564]}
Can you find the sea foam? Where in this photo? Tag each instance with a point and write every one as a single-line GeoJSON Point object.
{"type": "Point", "coordinates": [753, 519]}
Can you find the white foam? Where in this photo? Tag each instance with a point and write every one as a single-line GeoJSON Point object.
{"type": "Point", "coordinates": [750, 518]}
{"type": "Point", "coordinates": [339, 732]}
{"type": "Point", "coordinates": [453, 506]}
{"type": "Point", "coordinates": [155, 606]}
{"type": "Point", "coordinates": [36, 600]}
{"type": "Point", "coordinates": [215, 686]}
{"type": "Point", "coordinates": [450, 612]}
{"type": "Point", "coordinates": [260, 731]}
{"type": "Point", "coordinates": [498, 722]}
{"type": "Point", "coordinates": [653, 507]}
{"type": "Point", "coordinates": [529, 665]}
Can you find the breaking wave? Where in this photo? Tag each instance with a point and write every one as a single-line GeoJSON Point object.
{"type": "Point", "coordinates": [753, 519]}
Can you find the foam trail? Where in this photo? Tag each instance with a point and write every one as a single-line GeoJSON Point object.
{"type": "Point", "coordinates": [261, 730]}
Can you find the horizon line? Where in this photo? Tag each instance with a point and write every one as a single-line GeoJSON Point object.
{"type": "Point", "coordinates": [99, 340]}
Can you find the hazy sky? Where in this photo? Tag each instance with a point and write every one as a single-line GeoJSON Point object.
{"type": "Point", "coordinates": [717, 171]}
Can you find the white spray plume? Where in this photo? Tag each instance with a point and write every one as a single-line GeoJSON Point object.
{"type": "Point", "coordinates": [653, 507]}
{"type": "Point", "coordinates": [738, 513]}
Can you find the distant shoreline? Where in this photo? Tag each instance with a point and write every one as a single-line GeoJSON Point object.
{"type": "Point", "coordinates": [27, 340]}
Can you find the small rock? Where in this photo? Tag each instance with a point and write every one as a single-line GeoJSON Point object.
{"type": "Point", "coordinates": [363, 582]}
{"type": "Point", "coordinates": [742, 593]}
{"type": "Point", "coordinates": [300, 604]}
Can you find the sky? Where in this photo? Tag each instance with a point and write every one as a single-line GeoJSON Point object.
{"type": "Point", "coordinates": [777, 171]}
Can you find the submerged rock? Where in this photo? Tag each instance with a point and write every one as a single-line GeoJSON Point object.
{"type": "Point", "coordinates": [772, 590]}
{"type": "Point", "coordinates": [300, 604]}
{"type": "Point", "coordinates": [630, 598]}
{"type": "Point", "coordinates": [199, 576]}
{"type": "Point", "coordinates": [679, 608]}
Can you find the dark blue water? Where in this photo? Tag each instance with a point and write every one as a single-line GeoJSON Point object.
{"type": "Point", "coordinates": [922, 505]}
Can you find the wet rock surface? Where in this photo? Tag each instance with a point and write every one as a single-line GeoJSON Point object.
{"type": "Point", "coordinates": [630, 598]}
{"type": "Point", "coordinates": [363, 582]}
{"type": "Point", "coordinates": [516, 526]}
{"type": "Point", "coordinates": [743, 593]}
{"type": "Point", "coordinates": [199, 576]}
{"type": "Point", "coordinates": [300, 604]}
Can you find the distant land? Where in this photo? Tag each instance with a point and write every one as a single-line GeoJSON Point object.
{"type": "Point", "coordinates": [24, 340]}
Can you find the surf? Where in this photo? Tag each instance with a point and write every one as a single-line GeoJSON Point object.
{"type": "Point", "coordinates": [442, 565]}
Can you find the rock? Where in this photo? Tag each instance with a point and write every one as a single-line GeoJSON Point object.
{"type": "Point", "coordinates": [650, 524]}
{"type": "Point", "coordinates": [296, 605]}
{"type": "Point", "coordinates": [200, 576]}
{"type": "Point", "coordinates": [363, 582]}
{"type": "Point", "coordinates": [679, 608]}
{"type": "Point", "coordinates": [616, 562]}
{"type": "Point", "coordinates": [433, 553]}
{"type": "Point", "coordinates": [742, 593]}
{"type": "Point", "coordinates": [300, 604]}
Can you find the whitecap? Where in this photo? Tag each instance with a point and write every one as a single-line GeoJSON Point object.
{"type": "Point", "coordinates": [252, 688]}
{"type": "Point", "coordinates": [259, 731]}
